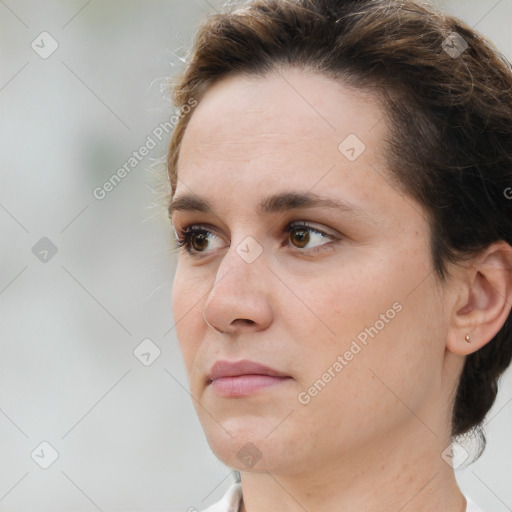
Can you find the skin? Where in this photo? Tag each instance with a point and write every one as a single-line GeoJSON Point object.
{"type": "Point", "coordinates": [372, 438]}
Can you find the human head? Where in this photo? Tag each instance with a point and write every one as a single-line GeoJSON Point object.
{"type": "Point", "coordinates": [448, 112]}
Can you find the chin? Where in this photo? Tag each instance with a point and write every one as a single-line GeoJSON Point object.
{"type": "Point", "coordinates": [249, 447]}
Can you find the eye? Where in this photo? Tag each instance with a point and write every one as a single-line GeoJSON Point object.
{"type": "Point", "coordinates": [304, 236]}
{"type": "Point", "coordinates": [195, 239]}
{"type": "Point", "coordinates": [300, 235]}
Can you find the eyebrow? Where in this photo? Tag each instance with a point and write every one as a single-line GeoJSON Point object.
{"type": "Point", "coordinates": [272, 204]}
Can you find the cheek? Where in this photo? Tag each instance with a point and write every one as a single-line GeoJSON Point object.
{"type": "Point", "coordinates": [335, 305]}
{"type": "Point", "coordinates": [186, 310]}
{"type": "Point", "coordinates": [373, 387]}
{"type": "Point", "coordinates": [189, 290]}
{"type": "Point", "coordinates": [371, 319]}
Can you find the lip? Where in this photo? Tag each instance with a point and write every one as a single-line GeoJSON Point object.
{"type": "Point", "coordinates": [243, 378]}
{"type": "Point", "coordinates": [224, 368]}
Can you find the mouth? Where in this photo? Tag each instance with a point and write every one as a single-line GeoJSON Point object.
{"type": "Point", "coordinates": [242, 378]}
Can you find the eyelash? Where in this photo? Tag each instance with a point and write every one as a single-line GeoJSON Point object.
{"type": "Point", "coordinates": [184, 236]}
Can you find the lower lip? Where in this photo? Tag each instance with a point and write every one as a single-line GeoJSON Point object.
{"type": "Point", "coordinates": [244, 385]}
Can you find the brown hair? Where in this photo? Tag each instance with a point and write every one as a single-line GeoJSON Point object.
{"type": "Point", "coordinates": [448, 95]}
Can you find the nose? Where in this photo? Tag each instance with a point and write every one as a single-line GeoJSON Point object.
{"type": "Point", "coordinates": [240, 297]}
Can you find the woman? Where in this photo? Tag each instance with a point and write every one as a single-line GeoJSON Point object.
{"type": "Point", "coordinates": [342, 299]}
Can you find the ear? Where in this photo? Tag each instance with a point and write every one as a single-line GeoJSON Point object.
{"type": "Point", "coordinates": [484, 299]}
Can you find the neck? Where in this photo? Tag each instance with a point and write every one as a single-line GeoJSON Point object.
{"type": "Point", "coordinates": [401, 473]}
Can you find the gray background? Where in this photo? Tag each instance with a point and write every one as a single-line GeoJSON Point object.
{"type": "Point", "coordinates": [126, 434]}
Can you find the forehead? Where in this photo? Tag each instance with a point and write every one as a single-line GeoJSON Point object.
{"type": "Point", "coordinates": [288, 129]}
{"type": "Point", "coordinates": [292, 104]}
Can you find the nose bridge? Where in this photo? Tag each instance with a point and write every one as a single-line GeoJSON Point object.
{"type": "Point", "coordinates": [239, 291]}
{"type": "Point", "coordinates": [242, 267]}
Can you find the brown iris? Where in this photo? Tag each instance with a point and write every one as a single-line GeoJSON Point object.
{"type": "Point", "coordinates": [301, 236]}
{"type": "Point", "coordinates": [199, 241]}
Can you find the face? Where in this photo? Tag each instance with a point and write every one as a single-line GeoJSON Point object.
{"type": "Point", "coordinates": [307, 259]}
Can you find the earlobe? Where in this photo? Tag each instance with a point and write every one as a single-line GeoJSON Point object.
{"type": "Point", "coordinates": [486, 297]}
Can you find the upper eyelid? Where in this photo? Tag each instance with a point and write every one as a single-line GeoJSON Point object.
{"type": "Point", "coordinates": [290, 225]}
{"type": "Point", "coordinates": [187, 231]}
{"type": "Point", "coordinates": [197, 227]}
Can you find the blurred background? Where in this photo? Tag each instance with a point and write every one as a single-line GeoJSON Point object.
{"type": "Point", "coordinates": [94, 408]}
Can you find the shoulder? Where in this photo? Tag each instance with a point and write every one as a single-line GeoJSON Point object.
{"type": "Point", "coordinates": [230, 502]}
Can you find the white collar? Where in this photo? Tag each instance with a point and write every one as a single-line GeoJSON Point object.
{"type": "Point", "coordinates": [230, 502]}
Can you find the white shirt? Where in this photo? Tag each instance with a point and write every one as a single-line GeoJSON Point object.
{"type": "Point", "coordinates": [232, 500]}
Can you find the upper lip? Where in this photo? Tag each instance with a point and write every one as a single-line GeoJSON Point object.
{"type": "Point", "coordinates": [244, 367]}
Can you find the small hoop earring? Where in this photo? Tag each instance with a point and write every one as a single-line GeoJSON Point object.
{"type": "Point", "coordinates": [468, 338]}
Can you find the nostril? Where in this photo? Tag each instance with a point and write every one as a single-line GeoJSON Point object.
{"type": "Point", "coordinates": [244, 320]}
